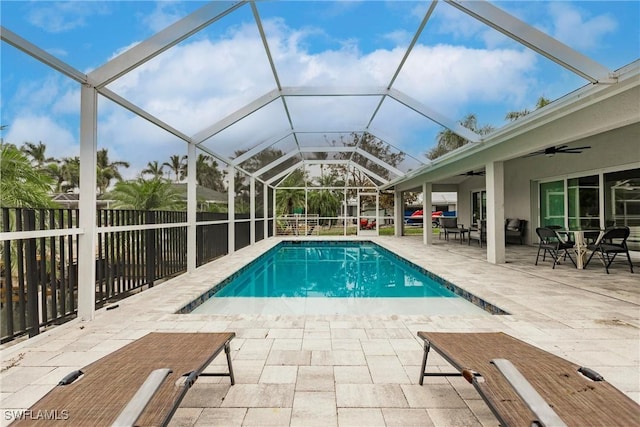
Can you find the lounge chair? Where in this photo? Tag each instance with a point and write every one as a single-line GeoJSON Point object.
{"type": "Point", "coordinates": [610, 244]}
{"type": "Point", "coordinates": [140, 384]}
{"type": "Point", "coordinates": [575, 395]}
{"type": "Point", "coordinates": [551, 243]}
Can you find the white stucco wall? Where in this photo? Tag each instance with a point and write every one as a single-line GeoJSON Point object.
{"type": "Point", "coordinates": [614, 150]}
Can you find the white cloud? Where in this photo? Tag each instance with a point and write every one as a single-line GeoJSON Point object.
{"type": "Point", "coordinates": [35, 128]}
{"type": "Point", "coordinates": [399, 37]}
{"type": "Point", "coordinates": [448, 78]}
{"type": "Point", "coordinates": [198, 82]}
{"type": "Point", "coordinates": [59, 17]}
{"type": "Point", "coordinates": [574, 27]}
{"type": "Point", "coordinates": [164, 14]}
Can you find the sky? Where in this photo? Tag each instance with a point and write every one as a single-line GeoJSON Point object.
{"type": "Point", "coordinates": [457, 67]}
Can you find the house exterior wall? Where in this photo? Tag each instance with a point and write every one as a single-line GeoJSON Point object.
{"type": "Point", "coordinates": [613, 150]}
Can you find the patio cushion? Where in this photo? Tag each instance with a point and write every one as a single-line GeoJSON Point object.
{"type": "Point", "coordinates": [513, 224]}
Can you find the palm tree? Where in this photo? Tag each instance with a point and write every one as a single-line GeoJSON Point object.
{"type": "Point", "coordinates": [141, 194]}
{"type": "Point", "coordinates": [154, 169]}
{"type": "Point", "coordinates": [515, 115]}
{"type": "Point", "coordinates": [326, 202]}
{"type": "Point", "coordinates": [447, 140]}
{"type": "Point", "coordinates": [107, 170]}
{"type": "Point", "coordinates": [22, 186]}
{"type": "Point", "coordinates": [37, 154]}
{"type": "Point", "coordinates": [288, 199]}
{"type": "Point", "coordinates": [70, 169]}
{"type": "Point", "coordinates": [176, 164]}
{"type": "Point", "coordinates": [207, 172]}
{"type": "Point", "coordinates": [54, 170]}
{"type": "Point", "coordinates": [259, 160]}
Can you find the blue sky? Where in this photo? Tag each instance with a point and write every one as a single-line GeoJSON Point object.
{"type": "Point", "coordinates": [459, 66]}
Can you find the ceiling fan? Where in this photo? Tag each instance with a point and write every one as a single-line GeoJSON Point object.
{"type": "Point", "coordinates": [472, 173]}
{"type": "Point", "coordinates": [562, 149]}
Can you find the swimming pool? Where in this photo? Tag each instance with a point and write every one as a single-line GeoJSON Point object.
{"type": "Point", "coordinates": [335, 277]}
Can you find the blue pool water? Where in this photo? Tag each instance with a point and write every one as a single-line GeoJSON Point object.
{"type": "Point", "coordinates": [335, 271]}
{"type": "Point", "coordinates": [320, 277]}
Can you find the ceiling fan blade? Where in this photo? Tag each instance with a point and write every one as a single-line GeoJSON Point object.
{"type": "Point", "coordinates": [550, 151]}
{"type": "Point", "coordinates": [535, 153]}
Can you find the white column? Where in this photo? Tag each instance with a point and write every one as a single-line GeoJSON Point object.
{"type": "Point", "coordinates": [265, 210]}
{"type": "Point", "coordinates": [345, 212]}
{"type": "Point", "coordinates": [191, 207]}
{"type": "Point", "coordinates": [427, 231]}
{"type": "Point", "coordinates": [86, 255]}
{"type": "Point", "coordinates": [252, 210]}
{"type": "Point", "coordinates": [398, 206]}
{"type": "Point", "coordinates": [495, 212]}
{"type": "Point", "coordinates": [275, 211]}
{"type": "Point", "coordinates": [377, 211]}
{"type": "Point", "coordinates": [231, 200]}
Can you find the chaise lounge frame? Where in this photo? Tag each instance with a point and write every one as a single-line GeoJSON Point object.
{"type": "Point", "coordinates": [98, 394]}
{"type": "Point", "coordinates": [576, 399]}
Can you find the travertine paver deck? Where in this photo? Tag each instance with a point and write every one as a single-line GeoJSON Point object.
{"type": "Point", "coordinates": [347, 370]}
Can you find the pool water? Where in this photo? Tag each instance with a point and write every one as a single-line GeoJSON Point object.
{"type": "Point", "coordinates": [332, 271]}
{"type": "Point", "coordinates": [335, 277]}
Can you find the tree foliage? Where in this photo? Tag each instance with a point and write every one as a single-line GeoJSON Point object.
{"type": "Point", "coordinates": [208, 173]}
{"type": "Point", "coordinates": [22, 186]}
{"type": "Point", "coordinates": [176, 164]}
{"type": "Point", "coordinates": [447, 140]}
{"type": "Point", "coordinates": [107, 170]}
{"type": "Point", "coordinates": [289, 199]}
{"type": "Point", "coordinates": [155, 169]}
{"type": "Point", "coordinates": [146, 194]}
{"type": "Point", "coordinates": [515, 115]}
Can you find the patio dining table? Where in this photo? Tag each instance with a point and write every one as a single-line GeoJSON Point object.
{"type": "Point", "coordinates": [580, 238]}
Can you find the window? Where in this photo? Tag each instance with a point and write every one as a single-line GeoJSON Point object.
{"type": "Point", "coordinates": [592, 205]}
{"type": "Point", "coordinates": [552, 203]}
{"type": "Point", "coordinates": [622, 203]}
{"type": "Point", "coordinates": [584, 202]}
{"type": "Point", "coordinates": [478, 206]}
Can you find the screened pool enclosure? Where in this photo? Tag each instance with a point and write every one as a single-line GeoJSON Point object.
{"type": "Point", "coordinates": [301, 142]}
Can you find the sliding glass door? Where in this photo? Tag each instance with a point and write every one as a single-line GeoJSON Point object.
{"type": "Point", "coordinates": [622, 203]}
{"type": "Point", "coordinates": [552, 203]}
{"type": "Point", "coordinates": [608, 199]}
{"type": "Point", "coordinates": [584, 202]}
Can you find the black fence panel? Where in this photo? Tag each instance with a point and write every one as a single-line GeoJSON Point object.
{"type": "Point", "coordinates": [212, 240]}
{"type": "Point", "coordinates": [259, 230]}
{"type": "Point", "coordinates": [38, 286]}
{"type": "Point", "coordinates": [243, 233]}
{"type": "Point", "coordinates": [39, 276]}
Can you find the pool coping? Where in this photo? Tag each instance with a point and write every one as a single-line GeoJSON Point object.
{"type": "Point", "coordinates": [472, 298]}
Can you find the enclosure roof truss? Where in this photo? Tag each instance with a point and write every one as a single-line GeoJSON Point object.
{"type": "Point", "coordinates": [210, 13]}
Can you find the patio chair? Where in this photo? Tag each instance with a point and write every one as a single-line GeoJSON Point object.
{"type": "Point", "coordinates": [478, 233]}
{"type": "Point", "coordinates": [524, 385]}
{"type": "Point", "coordinates": [142, 383]}
{"type": "Point", "coordinates": [449, 225]}
{"type": "Point", "coordinates": [514, 229]}
{"type": "Point", "coordinates": [554, 245]}
{"type": "Point", "coordinates": [610, 244]}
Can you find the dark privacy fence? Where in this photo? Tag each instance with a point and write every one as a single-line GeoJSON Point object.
{"type": "Point", "coordinates": [39, 276]}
